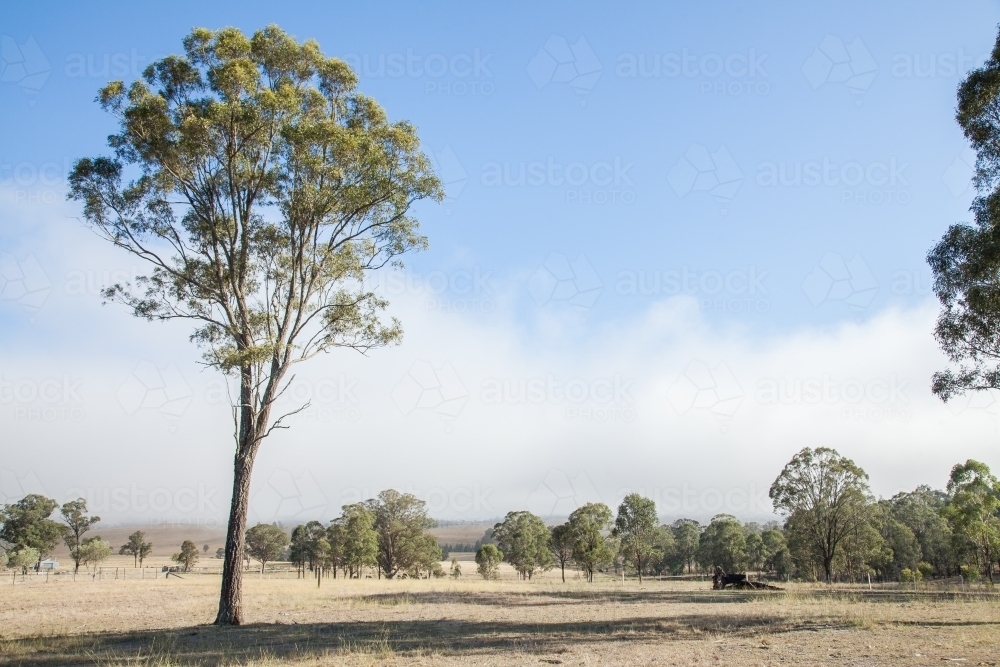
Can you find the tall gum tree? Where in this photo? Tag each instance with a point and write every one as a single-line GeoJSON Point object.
{"type": "Point", "coordinates": [966, 261]}
{"type": "Point", "coordinates": [263, 190]}
{"type": "Point", "coordinates": [826, 498]}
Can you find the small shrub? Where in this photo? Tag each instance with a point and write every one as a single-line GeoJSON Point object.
{"type": "Point", "coordinates": [488, 559]}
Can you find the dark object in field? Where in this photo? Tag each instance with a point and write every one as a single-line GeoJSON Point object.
{"type": "Point", "coordinates": [721, 580]}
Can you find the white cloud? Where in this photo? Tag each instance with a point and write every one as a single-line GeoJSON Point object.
{"type": "Point", "coordinates": [622, 434]}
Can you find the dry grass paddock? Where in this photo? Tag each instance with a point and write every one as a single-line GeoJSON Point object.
{"type": "Point", "coordinates": [471, 622]}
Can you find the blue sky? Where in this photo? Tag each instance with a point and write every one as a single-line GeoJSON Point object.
{"type": "Point", "coordinates": [716, 200]}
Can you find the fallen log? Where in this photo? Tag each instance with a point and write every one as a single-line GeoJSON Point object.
{"type": "Point", "coordinates": [721, 580]}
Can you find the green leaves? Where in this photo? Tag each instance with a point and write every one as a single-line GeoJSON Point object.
{"type": "Point", "coordinates": [966, 261]}
{"type": "Point", "coordinates": [265, 542]}
{"type": "Point", "coordinates": [488, 559]}
{"type": "Point", "coordinates": [27, 524]}
{"type": "Point", "coordinates": [400, 522]}
{"type": "Point", "coordinates": [524, 540]}
{"type": "Point", "coordinates": [973, 507]}
{"type": "Point", "coordinates": [589, 524]}
{"type": "Point", "coordinates": [137, 547]}
{"type": "Point", "coordinates": [188, 555]}
{"type": "Point", "coordinates": [75, 515]}
{"type": "Point", "coordinates": [723, 543]}
{"type": "Point", "coordinates": [635, 529]}
{"type": "Point", "coordinates": [268, 190]}
{"type": "Point", "coordinates": [826, 496]}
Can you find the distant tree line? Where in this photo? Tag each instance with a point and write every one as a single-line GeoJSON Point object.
{"type": "Point", "coordinates": [447, 549]}
{"type": "Point", "coordinates": [833, 530]}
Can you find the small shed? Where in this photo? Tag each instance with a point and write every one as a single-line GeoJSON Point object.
{"type": "Point", "coordinates": [48, 564]}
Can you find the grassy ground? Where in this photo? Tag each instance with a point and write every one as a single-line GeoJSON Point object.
{"type": "Point", "coordinates": [445, 622]}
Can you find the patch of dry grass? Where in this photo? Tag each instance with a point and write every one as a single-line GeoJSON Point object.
{"type": "Point", "coordinates": [445, 622]}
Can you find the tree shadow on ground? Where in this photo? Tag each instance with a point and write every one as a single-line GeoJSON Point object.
{"type": "Point", "coordinates": [209, 645]}
{"type": "Point", "coordinates": [557, 597]}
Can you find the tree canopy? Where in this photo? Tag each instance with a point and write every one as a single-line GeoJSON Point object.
{"type": "Point", "coordinates": [825, 495]}
{"type": "Point", "coordinates": [266, 188]}
{"type": "Point", "coordinates": [590, 524]}
{"type": "Point", "coordinates": [137, 547]}
{"type": "Point", "coordinates": [966, 261]}
{"type": "Point", "coordinates": [27, 524]}
{"type": "Point", "coordinates": [75, 515]}
{"type": "Point", "coordinates": [524, 540]}
{"type": "Point", "coordinates": [400, 522]}
{"type": "Point", "coordinates": [635, 529]}
{"type": "Point", "coordinates": [265, 543]}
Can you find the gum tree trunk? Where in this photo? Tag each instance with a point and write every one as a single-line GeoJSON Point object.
{"type": "Point", "coordinates": [251, 429]}
{"type": "Point", "coordinates": [231, 598]}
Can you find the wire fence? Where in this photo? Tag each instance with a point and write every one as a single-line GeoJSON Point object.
{"type": "Point", "coordinates": [147, 573]}
{"type": "Point", "coordinates": [289, 572]}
